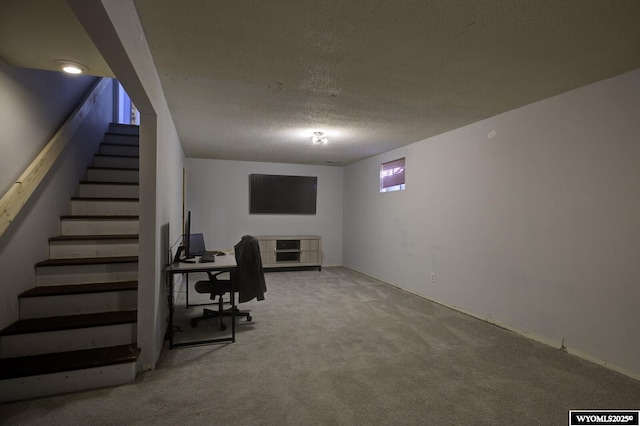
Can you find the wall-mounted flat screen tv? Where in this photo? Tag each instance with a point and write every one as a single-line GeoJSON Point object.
{"type": "Point", "coordinates": [280, 194]}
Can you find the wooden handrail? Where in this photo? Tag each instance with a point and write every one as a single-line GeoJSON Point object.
{"type": "Point", "coordinates": [18, 194]}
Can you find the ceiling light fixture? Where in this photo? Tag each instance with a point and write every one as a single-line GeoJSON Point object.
{"type": "Point", "coordinates": [319, 138]}
{"type": "Point", "coordinates": [71, 67]}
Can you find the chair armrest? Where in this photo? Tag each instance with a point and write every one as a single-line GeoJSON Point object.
{"type": "Point", "coordinates": [212, 275]}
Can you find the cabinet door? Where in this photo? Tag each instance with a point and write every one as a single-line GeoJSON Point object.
{"type": "Point", "coordinates": [314, 256]}
{"type": "Point", "coordinates": [267, 251]}
{"type": "Point", "coordinates": [268, 258]}
{"type": "Point", "coordinates": [264, 245]}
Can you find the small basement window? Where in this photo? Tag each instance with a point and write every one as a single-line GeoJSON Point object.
{"type": "Point", "coordinates": [392, 176]}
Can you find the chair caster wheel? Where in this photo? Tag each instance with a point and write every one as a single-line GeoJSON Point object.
{"type": "Point", "coordinates": [249, 318]}
{"type": "Point", "coordinates": [194, 323]}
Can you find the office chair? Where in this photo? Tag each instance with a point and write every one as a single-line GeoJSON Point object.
{"type": "Point", "coordinates": [248, 279]}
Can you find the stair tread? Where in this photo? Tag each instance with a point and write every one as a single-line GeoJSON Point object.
{"type": "Point", "coordinates": [94, 237]}
{"type": "Point", "coordinates": [88, 261]}
{"type": "Point", "coordinates": [124, 125]}
{"type": "Point", "coordinates": [106, 182]}
{"type": "Point", "coordinates": [61, 290]}
{"type": "Point", "coordinates": [122, 134]}
{"type": "Point", "coordinates": [69, 322]}
{"type": "Point", "coordinates": [113, 168]}
{"type": "Point", "coordinates": [118, 144]}
{"type": "Point", "coordinates": [99, 217]}
{"type": "Point", "coordinates": [117, 156]}
{"type": "Point", "coordinates": [33, 365]}
{"type": "Point", "coordinates": [104, 199]}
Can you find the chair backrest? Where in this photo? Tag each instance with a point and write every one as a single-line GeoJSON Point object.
{"type": "Point", "coordinates": [249, 276]}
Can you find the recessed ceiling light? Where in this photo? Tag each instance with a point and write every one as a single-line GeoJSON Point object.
{"type": "Point", "coordinates": [319, 138]}
{"type": "Point", "coordinates": [71, 67]}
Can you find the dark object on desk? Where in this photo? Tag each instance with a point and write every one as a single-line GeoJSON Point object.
{"type": "Point", "coordinates": [196, 245]}
{"type": "Point", "coordinates": [248, 280]}
{"type": "Point", "coordinates": [179, 254]}
{"type": "Point", "coordinates": [198, 248]}
{"type": "Point", "coordinates": [207, 258]}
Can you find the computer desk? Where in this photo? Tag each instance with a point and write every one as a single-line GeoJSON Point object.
{"type": "Point", "coordinates": [223, 263]}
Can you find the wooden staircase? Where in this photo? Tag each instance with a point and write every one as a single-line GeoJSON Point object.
{"type": "Point", "coordinates": [78, 325]}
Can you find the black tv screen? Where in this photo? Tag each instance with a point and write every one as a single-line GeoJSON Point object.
{"type": "Point", "coordinates": [279, 194]}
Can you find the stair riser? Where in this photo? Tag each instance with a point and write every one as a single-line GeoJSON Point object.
{"type": "Point", "coordinates": [76, 304]}
{"type": "Point", "coordinates": [124, 129]}
{"type": "Point", "coordinates": [106, 190]}
{"type": "Point", "coordinates": [92, 248]}
{"type": "Point", "coordinates": [117, 162]}
{"type": "Point", "coordinates": [67, 381]}
{"type": "Point", "coordinates": [99, 227]}
{"type": "Point", "coordinates": [121, 139]}
{"type": "Point", "coordinates": [106, 175]}
{"type": "Point", "coordinates": [86, 274]}
{"type": "Point", "coordinates": [67, 340]}
{"type": "Point", "coordinates": [131, 150]}
{"type": "Point", "coordinates": [108, 208]}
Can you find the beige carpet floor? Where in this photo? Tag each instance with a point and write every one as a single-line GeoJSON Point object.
{"type": "Point", "coordinates": [339, 348]}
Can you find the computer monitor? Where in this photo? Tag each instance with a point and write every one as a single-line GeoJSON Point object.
{"type": "Point", "coordinates": [196, 245]}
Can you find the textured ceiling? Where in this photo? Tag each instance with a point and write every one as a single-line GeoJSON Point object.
{"type": "Point", "coordinates": [37, 33]}
{"type": "Point", "coordinates": [252, 80]}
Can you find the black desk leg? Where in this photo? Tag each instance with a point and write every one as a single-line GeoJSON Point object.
{"type": "Point", "coordinates": [233, 310]}
{"type": "Point", "coordinates": [169, 277]}
{"type": "Point", "coordinates": [185, 275]}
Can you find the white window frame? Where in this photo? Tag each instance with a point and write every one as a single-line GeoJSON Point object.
{"type": "Point", "coordinates": [392, 175]}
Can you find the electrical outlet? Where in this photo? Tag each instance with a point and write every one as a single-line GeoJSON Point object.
{"type": "Point", "coordinates": [433, 277]}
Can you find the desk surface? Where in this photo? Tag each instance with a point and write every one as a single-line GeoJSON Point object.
{"type": "Point", "coordinates": [222, 263]}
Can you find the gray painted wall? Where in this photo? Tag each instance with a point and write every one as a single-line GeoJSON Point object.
{"type": "Point", "coordinates": [218, 197]}
{"type": "Point", "coordinates": [33, 106]}
{"type": "Point", "coordinates": [530, 219]}
{"type": "Point", "coordinates": [127, 53]}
